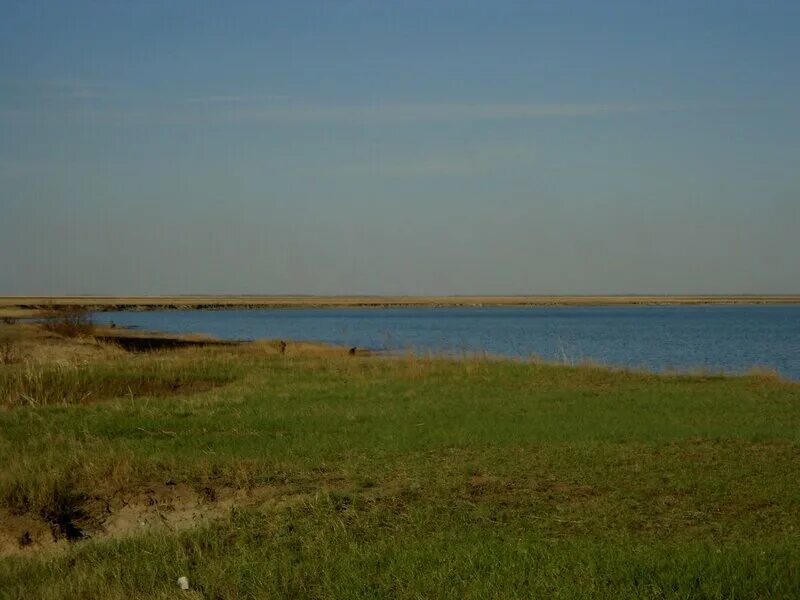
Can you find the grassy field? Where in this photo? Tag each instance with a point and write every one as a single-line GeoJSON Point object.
{"type": "Point", "coordinates": [315, 474]}
{"type": "Point", "coordinates": [19, 306]}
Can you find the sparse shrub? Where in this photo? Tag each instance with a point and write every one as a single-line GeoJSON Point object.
{"type": "Point", "coordinates": [65, 514]}
{"type": "Point", "coordinates": [9, 320]}
{"type": "Point", "coordinates": [70, 322]}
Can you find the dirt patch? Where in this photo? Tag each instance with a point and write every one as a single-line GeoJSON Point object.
{"type": "Point", "coordinates": [168, 506]}
{"type": "Point", "coordinates": [566, 494]}
{"type": "Point", "coordinates": [172, 506]}
{"type": "Point", "coordinates": [480, 485]}
{"type": "Point", "coordinates": [21, 534]}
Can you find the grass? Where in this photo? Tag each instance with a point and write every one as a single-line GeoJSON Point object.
{"type": "Point", "coordinates": [18, 306]}
{"type": "Point", "coordinates": [314, 474]}
{"type": "Point", "coordinates": [63, 384]}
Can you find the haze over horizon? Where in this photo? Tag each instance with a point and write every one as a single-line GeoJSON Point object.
{"type": "Point", "coordinates": [409, 148]}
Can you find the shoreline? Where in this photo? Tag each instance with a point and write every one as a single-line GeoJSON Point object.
{"type": "Point", "coordinates": [141, 340]}
{"type": "Point", "coordinates": [21, 306]}
{"type": "Point", "coordinates": [132, 340]}
{"type": "Point", "coordinates": [144, 341]}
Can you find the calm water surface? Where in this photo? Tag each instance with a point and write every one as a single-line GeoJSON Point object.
{"type": "Point", "coordinates": [726, 338]}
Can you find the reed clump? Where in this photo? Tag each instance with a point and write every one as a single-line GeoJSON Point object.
{"type": "Point", "coordinates": [9, 352]}
{"type": "Point", "coordinates": [69, 322]}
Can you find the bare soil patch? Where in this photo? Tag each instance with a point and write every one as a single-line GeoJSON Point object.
{"type": "Point", "coordinates": [164, 506]}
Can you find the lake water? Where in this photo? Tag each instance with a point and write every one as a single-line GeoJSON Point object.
{"type": "Point", "coordinates": [718, 338]}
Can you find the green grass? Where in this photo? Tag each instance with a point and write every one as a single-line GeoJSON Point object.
{"type": "Point", "coordinates": [373, 477]}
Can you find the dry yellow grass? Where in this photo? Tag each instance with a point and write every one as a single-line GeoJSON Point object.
{"type": "Point", "coordinates": [21, 306]}
{"type": "Point", "coordinates": [33, 344]}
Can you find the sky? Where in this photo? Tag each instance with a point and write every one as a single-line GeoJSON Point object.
{"type": "Point", "coordinates": [414, 147]}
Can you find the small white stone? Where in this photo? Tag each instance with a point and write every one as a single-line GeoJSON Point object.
{"type": "Point", "coordinates": [183, 583]}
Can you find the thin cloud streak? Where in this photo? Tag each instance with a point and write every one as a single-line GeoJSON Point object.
{"type": "Point", "coordinates": [441, 112]}
{"type": "Point", "coordinates": [280, 110]}
{"type": "Point", "coordinates": [234, 99]}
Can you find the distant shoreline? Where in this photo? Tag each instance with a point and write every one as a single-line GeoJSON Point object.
{"type": "Point", "coordinates": [26, 305]}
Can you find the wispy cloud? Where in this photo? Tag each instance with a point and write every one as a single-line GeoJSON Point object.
{"type": "Point", "coordinates": [235, 99]}
{"type": "Point", "coordinates": [438, 112]}
{"type": "Point", "coordinates": [215, 99]}
{"type": "Point", "coordinates": [138, 105]}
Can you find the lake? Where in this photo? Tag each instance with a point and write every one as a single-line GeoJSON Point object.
{"type": "Point", "coordinates": [717, 338]}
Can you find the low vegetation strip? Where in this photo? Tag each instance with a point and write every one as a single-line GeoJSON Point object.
{"type": "Point", "coordinates": [302, 471]}
{"type": "Point", "coordinates": [15, 306]}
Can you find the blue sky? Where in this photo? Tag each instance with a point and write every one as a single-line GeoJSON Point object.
{"type": "Point", "coordinates": [399, 147]}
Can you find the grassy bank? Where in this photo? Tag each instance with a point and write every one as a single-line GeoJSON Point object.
{"type": "Point", "coordinates": [312, 473]}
